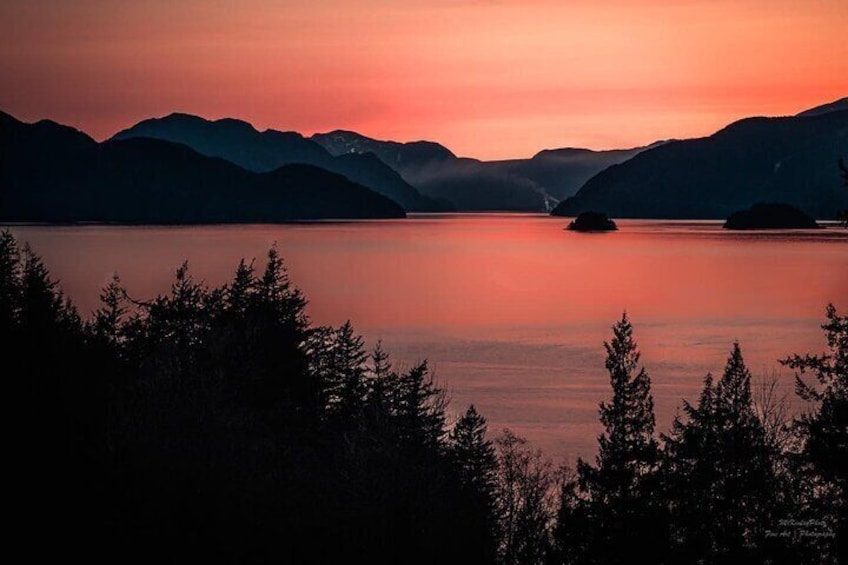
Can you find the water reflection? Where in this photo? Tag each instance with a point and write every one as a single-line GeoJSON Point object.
{"type": "Point", "coordinates": [510, 309]}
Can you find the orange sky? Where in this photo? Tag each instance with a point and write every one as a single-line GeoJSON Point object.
{"type": "Point", "coordinates": [489, 79]}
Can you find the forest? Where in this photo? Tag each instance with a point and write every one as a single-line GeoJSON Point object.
{"type": "Point", "coordinates": [221, 425]}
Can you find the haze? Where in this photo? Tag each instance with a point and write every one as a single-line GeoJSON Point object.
{"type": "Point", "coordinates": [488, 79]}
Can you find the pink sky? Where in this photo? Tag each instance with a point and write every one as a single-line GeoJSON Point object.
{"type": "Point", "coordinates": [489, 79]}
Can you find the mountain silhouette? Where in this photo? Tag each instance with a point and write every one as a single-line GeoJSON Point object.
{"type": "Point", "coordinates": [561, 172]}
{"type": "Point", "coordinates": [397, 155]}
{"type": "Point", "coordinates": [437, 172]}
{"type": "Point", "coordinates": [835, 106]}
{"type": "Point", "coordinates": [240, 143]}
{"type": "Point", "coordinates": [519, 184]}
{"type": "Point", "coordinates": [54, 173]}
{"type": "Point", "coordinates": [790, 160]}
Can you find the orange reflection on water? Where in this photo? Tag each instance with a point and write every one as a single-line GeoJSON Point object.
{"type": "Point", "coordinates": [511, 309]}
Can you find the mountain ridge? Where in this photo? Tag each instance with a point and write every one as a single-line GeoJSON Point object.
{"type": "Point", "coordinates": [241, 143]}
{"type": "Point", "coordinates": [787, 159]}
{"type": "Point", "coordinates": [835, 106]}
{"type": "Point", "coordinates": [534, 184]}
{"type": "Point", "coordinates": [766, 158]}
{"type": "Point", "coordinates": [54, 173]}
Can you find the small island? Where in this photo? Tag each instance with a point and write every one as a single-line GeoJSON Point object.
{"type": "Point", "coordinates": [592, 221]}
{"type": "Point", "coordinates": [770, 216]}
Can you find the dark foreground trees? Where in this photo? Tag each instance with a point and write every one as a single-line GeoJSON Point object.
{"type": "Point", "coordinates": [722, 487]}
{"type": "Point", "coordinates": [822, 458]}
{"type": "Point", "coordinates": [616, 507]}
{"type": "Point", "coordinates": [733, 482]}
{"type": "Point", "coordinates": [219, 425]}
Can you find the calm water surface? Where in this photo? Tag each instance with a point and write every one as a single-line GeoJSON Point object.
{"type": "Point", "coordinates": [511, 310]}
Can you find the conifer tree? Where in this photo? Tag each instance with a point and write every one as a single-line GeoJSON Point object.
{"type": "Point", "coordinates": [10, 283]}
{"type": "Point", "coordinates": [627, 449]}
{"type": "Point", "coordinates": [618, 492]}
{"type": "Point", "coordinates": [381, 366]}
{"type": "Point", "coordinates": [108, 319]}
{"type": "Point", "coordinates": [43, 306]}
{"type": "Point", "coordinates": [55, 457]}
{"type": "Point", "coordinates": [281, 328]}
{"type": "Point", "coordinates": [418, 408]}
{"type": "Point", "coordinates": [473, 452]}
{"type": "Point", "coordinates": [722, 485]}
{"type": "Point", "coordinates": [824, 429]}
{"type": "Point", "coordinates": [475, 461]}
{"type": "Point", "coordinates": [239, 293]}
{"type": "Point", "coordinates": [338, 362]}
{"type": "Point", "coordinates": [279, 295]}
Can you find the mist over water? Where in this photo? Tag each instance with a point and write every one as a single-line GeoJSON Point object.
{"type": "Point", "coordinates": [511, 310]}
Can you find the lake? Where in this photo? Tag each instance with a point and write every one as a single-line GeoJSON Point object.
{"type": "Point", "coordinates": [510, 309]}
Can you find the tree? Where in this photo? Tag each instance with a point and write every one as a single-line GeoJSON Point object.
{"type": "Point", "coordinates": [277, 292]}
{"type": "Point", "coordinates": [618, 492]}
{"type": "Point", "coordinates": [108, 319]}
{"type": "Point", "coordinates": [56, 455]}
{"type": "Point", "coordinates": [773, 411]}
{"type": "Point", "coordinates": [525, 496]}
{"type": "Point", "coordinates": [627, 449]}
{"type": "Point", "coordinates": [473, 453]}
{"type": "Point", "coordinates": [10, 283]}
{"type": "Point", "coordinates": [273, 332]}
{"type": "Point", "coordinates": [338, 363]}
{"type": "Point", "coordinates": [238, 293]}
{"type": "Point", "coordinates": [721, 483]}
{"type": "Point", "coordinates": [476, 462]}
{"type": "Point", "coordinates": [824, 429]}
{"type": "Point", "coordinates": [570, 543]}
{"type": "Point", "coordinates": [216, 423]}
{"type": "Point", "coordinates": [43, 306]}
{"type": "Point", "coordinates": [418, 408]}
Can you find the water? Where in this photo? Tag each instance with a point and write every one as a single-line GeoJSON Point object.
{"type": "Point", "coordinates": [511, 310]}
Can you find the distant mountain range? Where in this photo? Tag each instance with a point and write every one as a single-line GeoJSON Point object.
{"type": "Point", "coordinates": [792, 160]}
{"type": "Point", "coordinates": [561, 172]}
{"type": "Point", "coordinates": [183, 168]}
{"type": "Point", "coordinates": [240, 143]}
{"type": "Point", "coordinates": [534, 185]}
{"type": "Point", "coordinates": [54, 173]}
{"type": "Point", "coordinates": [436, 171]}
{"type": "Point", "coordinates": [420, 176]}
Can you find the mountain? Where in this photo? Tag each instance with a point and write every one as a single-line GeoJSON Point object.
{"type": "Point", "coordinates": [397, 155]}
{"type": "Point", "coordinates": [240, 143]}
{"type": "Point", "coordinates": [791, 160]}
{"type": "Point", "coordinates": [474, 185]}
{"type": "Point", "coordinates": [835, 106]}
{"type": "Point", "coordinates": [561, 172]}
{"type": "Point", "coordinates": [437, 172]}
{"type": "Point", "coordinates": [521, 184]}
{"type": "Point", "coordinates": [53, 173]}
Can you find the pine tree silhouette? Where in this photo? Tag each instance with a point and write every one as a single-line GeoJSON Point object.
{"type": "Point", "coordinates": [721, 479]}
{"type": "Point", "coordinates": [824, 430]}
{"type": "Point", "coordinates": [618, 492]}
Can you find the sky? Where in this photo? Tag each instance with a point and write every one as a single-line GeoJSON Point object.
{"type": "Point", "coordinates": [489, 79]}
